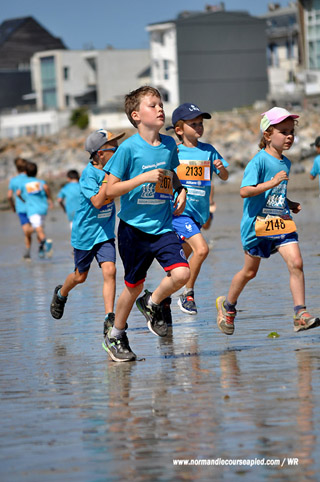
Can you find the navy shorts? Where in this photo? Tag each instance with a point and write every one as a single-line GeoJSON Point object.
{"type": "Point", "coordinates": [185, 227]}
{"type": "Point", "coordinates": [103, 252]}
{"type": "Point", "coordinates": [138, 250]}
{"type": "Point", "coordinates": [267, 247]}
{"type": "Point", "coordinates": [23, 218]}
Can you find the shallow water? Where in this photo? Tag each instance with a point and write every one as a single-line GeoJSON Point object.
{"type": "Point", "coordinates": [70, 414]}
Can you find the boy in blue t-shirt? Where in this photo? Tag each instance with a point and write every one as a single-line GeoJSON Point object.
{"type": "Point", "coordinates": [198, 162]}
{"type": "Point", "coordinates": [18, 205]}
{"type": "Point", "coordinates": [92, 234]}
{"type": "Point", "coordinates": [69, 195]}
{"type": "Point", "coordinates": [37, 196]}
{"type": "Point", "coordinates": [315, 171]}
{"type": "Point", "coordinates": [142, 173]}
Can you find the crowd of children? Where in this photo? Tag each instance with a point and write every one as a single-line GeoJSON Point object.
{"type": "Point", "coordinates": [166, 199]}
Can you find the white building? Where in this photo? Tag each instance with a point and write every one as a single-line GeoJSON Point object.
{"type": "Point", "coordinates": [66, 79]}
{"type": "Point", "coordinates": [310, 26]}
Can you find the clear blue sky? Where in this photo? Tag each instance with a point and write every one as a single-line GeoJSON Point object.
{"type": "Point", "coordinates": [120, 23]}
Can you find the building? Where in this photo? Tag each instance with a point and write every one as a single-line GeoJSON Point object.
{"type": "Point", "coordinates": [20, 38]}
{"type": "Point", "coordinates": [67, 79]}
{"type": "Point", "coordinates": [216, 59]}
{"type": "Point", "coordinates": [284, 54]}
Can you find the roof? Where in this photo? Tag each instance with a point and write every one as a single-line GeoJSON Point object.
{"type": "Point", "coordinates": [8, 27]}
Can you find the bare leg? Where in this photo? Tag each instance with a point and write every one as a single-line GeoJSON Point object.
{"type": "Point", "coordinates": [124, 305]}
{"type": "Point", "coordinates": [27, 230]}
{"type": "Point", "coordinates": [200, 249]}
{"type": "Point", "coordinates": [72, 280]}
{"type": "Point", "coordinates": [109, 285]}
{"type": "Point", "coordinates": [292, 256]}
{"type": "Point", "coordinates": [239, 281]}
{"type": "Point", "coordinates": [170, 284]}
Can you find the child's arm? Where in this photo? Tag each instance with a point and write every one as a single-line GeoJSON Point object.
{"type": "Point", "coordinates": [294, 206]}
{"type": "Point", "coordinates": [10, 199]}
{"type": "Point", "coordinates": [116, 187]}
{"type": "Point", "coordinates": [181, 199]}
{"type": "Point", "coordinates": [250, 191]}
{"type": "Point", "coordinates": [99, 199]}
{"type": "Point", "coordinates": [223, 174]}
{"type": "Point", "coordinates": [48, 194]}
{"type": "Point", "coordinates": [60, 201]}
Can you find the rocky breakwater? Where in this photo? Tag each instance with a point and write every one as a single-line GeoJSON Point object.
{"type": "Point", "coordinates": [235, 135]}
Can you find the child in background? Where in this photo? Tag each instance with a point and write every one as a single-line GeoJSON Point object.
{"type": "Point", "coordinates": [69, 195]}
{"type": "Point", "coordinates": [18, 205]}
{"type": "Point", "coordinates": [198, 162]}
{"type": "Point", "coordinates": [92, 234]}
{"type": "Point", "coordinates": [315, 171]}
{"type": "Point", "coordinates": [267, 226]}
{"type": "Point", "coordinates": [142, 173]}
{"type": "Point", "coordinates": [37, 196]}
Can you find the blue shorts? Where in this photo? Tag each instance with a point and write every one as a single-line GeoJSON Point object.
{"type": "Point", "coordinates": [185, 227]}
{"type": "Point", "coordinates": [138, 250]}
{"type": "Point", "coordinates": [266, 246]}
{"type": "Point", "coordinates": [23, 218]}
{"type": "Point", "coordinates": [103, 252]}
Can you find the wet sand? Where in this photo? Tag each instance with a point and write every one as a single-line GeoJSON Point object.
{"type": "Point", "coordinates": [71, 414]}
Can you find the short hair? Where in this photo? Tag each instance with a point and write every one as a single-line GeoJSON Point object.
{"type": "Point", "coordinates": [179, 123]}
{"type": "Point", "coordinates": [31, 169]}
{"type": "Point", "coordinates": [20, 164]}
{"type": "Point", "coordinates": [133, 99]}
{"type": "Point", "coordinates": [73, 174]}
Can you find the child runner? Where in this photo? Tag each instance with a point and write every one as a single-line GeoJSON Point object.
{"type": "Point", "coordinates": [18, 205]}
{"type": "Point", "coordinates": [38, 199]}
{"type": "Point", "coordinates": [92, 234]}
{"type": "Point", "coordinates": [198, 162]}
{"type": "Point", "coordinates": [267, 226]}
{"type": "Point", "coordinates": [141, 172]}
{"type": "Point", "coordinates": [69, 195]}
{"type": "Point", "coordinates": [315, 171]}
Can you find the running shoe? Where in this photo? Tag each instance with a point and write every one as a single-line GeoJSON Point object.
{"type": "Point", "coordinates": [154, 316]}
{"type": "Point", "coordinates": [57, 304]}
{"type": "Point", "coordinates": [48, 248]}
{"type": "Point", "coordinates": [304, 321]}
{"type": "Point", "coordinates": [108, 323]}
{"type": "Point", "coordinates": [187, 304]}
{"type": "Point", "coordinates": [118, 348]}
{"type": "Point", "coordinates": [225, 319]}
{"type": "Point", "coordinates": [42, 252]}
{"type": "Point", "coordinates": [166, 310]}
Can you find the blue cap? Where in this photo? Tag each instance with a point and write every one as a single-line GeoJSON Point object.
{"type": "Point", "coordinates": [187, 111]}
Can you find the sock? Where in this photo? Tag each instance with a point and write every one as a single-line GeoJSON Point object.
{"type": "Point", "coordinates": [115, 333]}
{"type": "Point", "coordinates": [231, 308]}
{"type": "Point", "coordinates": [107, 316]}
{"type": "Point", "coordinates": [298, 308]}
{"type": "Point", "coordinates": [61, 296]}
{"type": "Point", "coordinates": [188, 292]}
{"type": "Point", "coordinates": [151, 303]}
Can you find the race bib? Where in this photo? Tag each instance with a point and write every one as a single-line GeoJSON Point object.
{"type": "Point", "coordinates": [163, 189]}
{"type": "Point", "coordinates": [33, 187]}
{"type": "Point", "coordinates": [194, 173]}
{"type": "Point", "coordinates": [274, 226]}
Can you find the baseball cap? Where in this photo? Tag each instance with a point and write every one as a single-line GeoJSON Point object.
{"type": "Point", "coordinates": [98, 138]}
{"type": "Point", "coordinates": [316, 142]}
{"type": "Point", "coordinates": [187, 111]}
{"type": "Point", "coordinates": [274, 116]}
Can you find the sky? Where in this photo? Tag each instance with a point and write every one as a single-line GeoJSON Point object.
{"type": "Point", "coordinates": [82, 24]}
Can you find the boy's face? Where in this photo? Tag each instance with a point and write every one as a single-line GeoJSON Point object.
{"type": "Point", "coordinates": [150, 113]}
{"type": "Point", "coordinates": [192, 129]}
{"type": "Point", "coordinates": [107, 151]}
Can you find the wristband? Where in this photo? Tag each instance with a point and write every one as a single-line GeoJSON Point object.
{"type": "Point", "coordinates": [104, 182]}
{"type": "Point", "coordinates": [179, 189]}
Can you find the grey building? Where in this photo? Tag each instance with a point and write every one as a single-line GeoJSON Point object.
{"type": "Point", "coordinates": [221, 59]}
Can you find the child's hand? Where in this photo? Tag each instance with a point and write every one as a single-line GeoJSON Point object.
{"type": "Point", "coordinates": [180, 203]}
{"type": "Point", "coordinates": [218, 164]}
{"type": "Point", "coordinates": [294, 207]}
{"type": "Point", "coordinates": [154, 176]}
{"type": "Point", "coordinates": [279, 177]}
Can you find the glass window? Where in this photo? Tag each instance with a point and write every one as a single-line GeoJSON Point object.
{"type": "Point", "coordinates": [48, 80]}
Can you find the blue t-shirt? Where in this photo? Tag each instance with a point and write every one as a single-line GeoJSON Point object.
{"type": "Point", "coordinates": [70, 193]}
{"type": "Point", "coordinates": [91, 225]}
{"type": "Point", "coordinates": [198, 198]}
{"type": "Point", "coordinates": [36, 198]}
{"type": "Point", "coordinates": [262, 168]}
{"type": "Point", "coordinates": [16, 183]}
{"type": "Point", "coordinates": [142, 207]}
{"type": "Point", "coordinates": [316, 168]}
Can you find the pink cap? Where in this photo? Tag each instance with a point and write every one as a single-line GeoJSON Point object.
{"type": "Point", "coordinates": [274, 116]}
